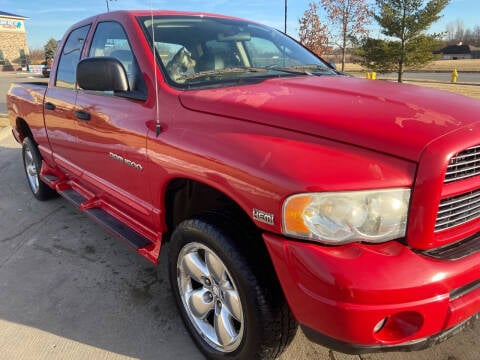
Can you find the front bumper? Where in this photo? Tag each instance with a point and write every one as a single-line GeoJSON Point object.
{"type": "Point", "coordinates": [375, 296]}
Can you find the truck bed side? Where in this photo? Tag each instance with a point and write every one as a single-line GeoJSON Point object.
{"type": "Point", "coordinates": [25, 107]}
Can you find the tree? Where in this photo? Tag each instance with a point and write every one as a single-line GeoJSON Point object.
{"type": "Point", "coordinates": [456, 32]}
{"type": "Point", "coordinates": [351, 17]}
{"type": "Point", "coordinates": [50, 48]}
{"type": "Point", "coordinates": [450, 32]}
{"type": "Point", "coordinates": [312, 34]}
{"type": "Point", "coordinates": [36, 56]}
{"type": "Point", "coordinates": [476, 35]}
{"type": "Point", "coordinates": [406, 20]}
{"type": "Point", "coordinates": [459, 30]}
{"type": "Point", "coordinates": [383, 55]}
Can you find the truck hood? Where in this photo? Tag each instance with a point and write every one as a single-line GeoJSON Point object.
{"type": "Point", "coordinates": [396, 119]}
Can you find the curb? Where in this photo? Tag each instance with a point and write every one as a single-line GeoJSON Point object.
{"type": "Point", "coordinates": [442, 82]}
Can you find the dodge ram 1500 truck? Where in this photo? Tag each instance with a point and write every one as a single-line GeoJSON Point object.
{"type": "Point", "coordinates": [288, 193]}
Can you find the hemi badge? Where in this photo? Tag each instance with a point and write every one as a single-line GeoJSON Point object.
{"type": "Point", "coordinates": [263, 216]}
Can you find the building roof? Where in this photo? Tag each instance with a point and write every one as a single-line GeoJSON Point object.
{"type": "Point", "coordinates": [456, 49]}
{"type": "Point", "coordinates": [5, 14]}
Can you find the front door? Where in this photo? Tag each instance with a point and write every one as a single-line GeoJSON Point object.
{"type": "Point", "coordinates": [111, 137]}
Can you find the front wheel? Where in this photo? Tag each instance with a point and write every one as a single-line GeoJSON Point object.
{"type": "Point", "coordinates": [231, 310]}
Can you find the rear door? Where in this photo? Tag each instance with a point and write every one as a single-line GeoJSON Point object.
{"type": "Point", "coordinates": [60, 100]}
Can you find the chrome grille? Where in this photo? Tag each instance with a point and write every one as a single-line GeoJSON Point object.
{"type": "Point", "coordinates": [458, 210]}
{"type": "Point", "coordinates": [464, 165]}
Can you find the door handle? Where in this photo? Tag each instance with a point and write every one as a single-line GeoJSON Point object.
{"type": "Point", "coordinates": [49, 106]}
{"type": "Point", "coordinates": [82, 115]}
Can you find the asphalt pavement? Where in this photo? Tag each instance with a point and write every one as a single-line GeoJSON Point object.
{"type": "Point", "coordinates": [6, 78]}
{"type": "Point", "coordinates": [445, 77]}
{"type": "Point", "coordinates": [69, 290]}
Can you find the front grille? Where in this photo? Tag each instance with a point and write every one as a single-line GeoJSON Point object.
{"type": "Point", "coordinates": [457, 210]}
{"type": "Point", "coordinates": [464, 165]}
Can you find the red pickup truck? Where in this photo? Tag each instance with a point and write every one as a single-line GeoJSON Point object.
{"type": "Point", "coordinates": [288, 193]}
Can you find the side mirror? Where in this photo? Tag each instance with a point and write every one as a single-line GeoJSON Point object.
{"type": "Point", "coordinates": [102, 74]}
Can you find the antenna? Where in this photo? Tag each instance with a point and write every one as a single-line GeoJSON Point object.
{"type": "Point", "coordinates": [158, 127]}
{"type": "Point", "coordinates": [108, 7]}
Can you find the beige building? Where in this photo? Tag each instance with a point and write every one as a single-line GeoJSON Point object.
{"type": "Point", "coordinates": [13, 41]}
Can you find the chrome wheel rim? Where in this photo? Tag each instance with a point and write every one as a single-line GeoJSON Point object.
{"type": "Point", "coordinates": [210, 297]}
{"type": "Point", "coordinates": [31, 170]}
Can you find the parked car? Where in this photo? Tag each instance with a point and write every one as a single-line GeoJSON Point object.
{"type": "Point", "coordinates": [46, 71]}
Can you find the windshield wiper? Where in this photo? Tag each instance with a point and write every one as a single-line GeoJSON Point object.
{"type": "Point", "coordinates": [232, 70]}
{"type": "Point", "coordinates": [307, 69]}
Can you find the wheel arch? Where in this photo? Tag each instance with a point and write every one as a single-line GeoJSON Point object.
{"type": "Point", "coordinates": [185, 198]}
{"type": "Point", "coordinates": [23, 130]}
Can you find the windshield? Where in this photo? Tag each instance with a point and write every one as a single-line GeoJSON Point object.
{"type": "Point", "coordinates": [198, 51]}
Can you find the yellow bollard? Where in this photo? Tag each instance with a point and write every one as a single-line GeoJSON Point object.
{"type": "Point", "coordinates": [373, 75]}
{"type": "Point", "coordinates": [454, 75]}
{"type": "Point", "coordinates": [368, 75]}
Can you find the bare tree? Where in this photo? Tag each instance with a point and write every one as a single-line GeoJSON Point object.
{"type": "Point", "coordinates": [455, 32]}
{"type": "Point", "coordinates": [459, 30]}
{"type": "Point", "coordinates": [350, 17]}
{"type": "Point", "coordinates": [312, 34]}
{"type": "Point", "coordinates": [450, 32]}
{"type": "Point", "coordinates": [476, 35]}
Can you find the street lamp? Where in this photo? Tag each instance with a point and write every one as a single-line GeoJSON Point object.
{"type": "Point", "coordinates": [285, 16]}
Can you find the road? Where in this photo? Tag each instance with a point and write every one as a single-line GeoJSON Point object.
{"type": "Point", "coordinates": [463, 77]}
{"type": "Point", "coordinates": [70, 290]}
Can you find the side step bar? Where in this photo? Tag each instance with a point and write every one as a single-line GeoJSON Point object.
{"type": "Point", "coordinates": [72, 196]}
{"type": "Point", "coordinates": [115, 226]}
{"type": "Point", "coordinates": [118, 228]}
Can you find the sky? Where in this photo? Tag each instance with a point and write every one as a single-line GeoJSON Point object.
{"type": "Point", "coordinates": [51, 18]}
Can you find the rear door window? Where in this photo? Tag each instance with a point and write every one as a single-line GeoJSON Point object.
{"type": "Point", "coordinates": [69, 58]}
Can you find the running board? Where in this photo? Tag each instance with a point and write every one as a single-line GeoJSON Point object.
{"type": "Point", "coordinates": [72, 196]}
{"type": "Point", "coordinates": [112, 224]}
{"type": "Point", "coordinates": [118, 228]}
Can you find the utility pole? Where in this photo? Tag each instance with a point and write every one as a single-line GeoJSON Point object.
{"type": "Point", "coordinates": [285, 17]}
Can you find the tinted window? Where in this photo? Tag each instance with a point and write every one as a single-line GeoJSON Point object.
{"type": "Point", "coordinates": [67, 66]}
{"type": "Point", "coordinates": [111, 40]}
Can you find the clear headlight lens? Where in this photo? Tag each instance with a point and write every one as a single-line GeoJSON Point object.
{"type": "Point", "coordinates": [343, 217]}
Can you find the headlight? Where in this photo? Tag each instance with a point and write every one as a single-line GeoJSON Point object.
{"type": "Point", "coordinates": [343, 217]}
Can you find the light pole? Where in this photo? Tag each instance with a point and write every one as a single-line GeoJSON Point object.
{"type": "Point", "coordinates": [285, 16]}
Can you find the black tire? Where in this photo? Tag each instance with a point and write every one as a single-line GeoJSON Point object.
{"type": "Point", "coordinates": [32, 164]}
{"type": "Point", "coordinates": [266, 325]}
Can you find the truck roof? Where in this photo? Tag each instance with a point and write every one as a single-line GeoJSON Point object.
{"type": "Point", "coordinates": [136, 13]}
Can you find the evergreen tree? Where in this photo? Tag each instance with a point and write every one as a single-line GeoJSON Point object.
{"type": "Point", "coordinates": [50, 48]}
{"type": "Point", "coordinates": [406, 21]}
